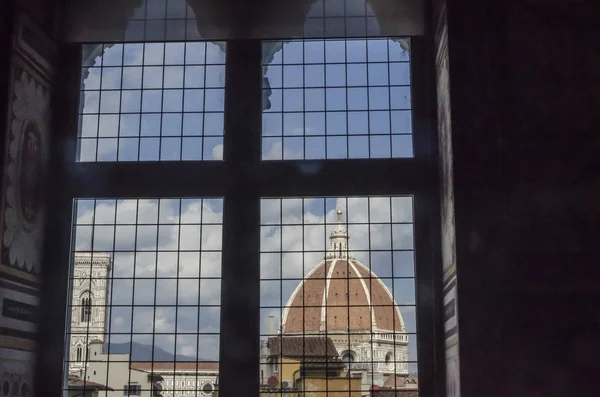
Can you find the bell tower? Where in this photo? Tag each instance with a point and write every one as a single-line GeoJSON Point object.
{"type": "Point", "coordinates": [88, 314]}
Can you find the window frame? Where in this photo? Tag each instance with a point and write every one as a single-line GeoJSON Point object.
{"type": "Point", "coordinates": [242, 179]}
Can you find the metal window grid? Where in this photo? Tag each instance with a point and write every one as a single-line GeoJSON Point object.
{"type": "Point", "coordinates": [152, 102]}
{"type": "Point", "coordinates": [161, 292]}
{"type": "Point", "coordinates": [337, 98]}
{"type": "Point", "coordinates": [242, 179]}
{"type": "Point", "coordinates": [295, 234]}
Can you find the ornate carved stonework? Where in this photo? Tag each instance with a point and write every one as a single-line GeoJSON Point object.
{"type": "Point", "coordinates": [25, 163]}
{"type": "Point", "coordinates": [25, 139]}
{"type": "Point", "coordinates": [16, 378]}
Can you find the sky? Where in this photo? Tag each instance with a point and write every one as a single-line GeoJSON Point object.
{"type": "Point", "coordinates": [195, 225]}
{"type": "Point", "coordinates": [172, 97]}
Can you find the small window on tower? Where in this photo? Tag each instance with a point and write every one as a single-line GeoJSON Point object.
{"type": "Point", "coordinates": [86, 309]}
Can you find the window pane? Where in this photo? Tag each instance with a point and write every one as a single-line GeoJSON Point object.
{"type": "Point", "coordinates": [338, 295]}
{"type": "Point", "coordinates": [165, 90]}
{"type": "Point", "coordinates": [360, 87]}
{"type": "Point", "coordinates": [146, 294]}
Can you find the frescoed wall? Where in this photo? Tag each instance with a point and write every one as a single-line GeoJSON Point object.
{"type": "Point", "coordinates": [22, 212]}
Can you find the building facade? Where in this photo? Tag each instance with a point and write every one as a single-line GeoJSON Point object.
{"type": "Point", "coordinates": [88, 313]}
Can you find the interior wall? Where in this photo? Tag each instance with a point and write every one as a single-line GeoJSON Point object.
{"type": "Point", "coordinates": [524, 82]}
{"type": "Point", "coordinates": [26, 88]}
{"type": "Point", "coordinates": [40, 11]}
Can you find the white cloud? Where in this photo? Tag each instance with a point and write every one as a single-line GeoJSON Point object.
{"type": "Point", "coordinates": [217, 152]}
{"type": "Point", "coordinates": [275, 150]}
{"type": "Point", "coordinates": [285, 232]}
{"type": "Point", "coordinates": [144, 69]}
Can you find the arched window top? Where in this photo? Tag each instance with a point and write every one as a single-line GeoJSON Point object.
{"type": "Point", "coordinates": [348, 357]}
{"type": "Point", "coordinates": [228, 19]}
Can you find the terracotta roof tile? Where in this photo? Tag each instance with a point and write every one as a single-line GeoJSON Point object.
{"type": "Point", "coordinates": [313, 352]}
{"type": "Point", "coordinates": [296, 346]}
{"type": "Point", "coordinates": [355, 297]}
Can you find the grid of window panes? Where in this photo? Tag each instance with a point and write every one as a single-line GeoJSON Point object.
{"type": "Point", "coordinates": [337, 98]}
{"type": "Point", "coordinates": [337, 295]}
{"type": "Point", "coordinates": [341, 18]}
{"type": "Point", "coordinates": [146, 294]}
{"type": "Point", "coordinates": [160, 20]}
{"type": "Point", "coordinates": [152, 102]}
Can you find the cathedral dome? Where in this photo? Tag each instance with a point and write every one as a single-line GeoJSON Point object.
{"type": "Point", "coordinates": [341, 295]}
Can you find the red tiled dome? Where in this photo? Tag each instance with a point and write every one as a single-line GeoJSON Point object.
{"type": "Point", "coordinates": [341, 295]}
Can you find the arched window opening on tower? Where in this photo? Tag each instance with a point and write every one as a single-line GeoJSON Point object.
{"type": "Point", "coordinates": [79, 353]}
{"type": "Point", "coordinates": [86, 309]}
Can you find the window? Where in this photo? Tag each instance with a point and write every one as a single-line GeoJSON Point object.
{"type": "Point", "coordinates": [389, 360]}
{"type": "Point", "coordinates": [347, 357]}
{"type": "Point", "coordinates": [79, 353]}
{"type": "Point", "coordinates": [337, 274]}
{"type": "Point", "coordinates": [332, 99]}
{"type": "Point", "coordinates": [158, 269]}
{"type": "Point", "coordinates": [273, 193]}
{"type": "Point", "coordinates": [132, 390]}
{"type": "Point", "coordinates": [152, 102]}
{"type": "Point", "coordinates": [207, 389]}
{"type": "Point", "coordinates": [86, 309]}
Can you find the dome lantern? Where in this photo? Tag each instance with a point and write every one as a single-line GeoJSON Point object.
{"type": "Point", "coordinates": [339, 248]}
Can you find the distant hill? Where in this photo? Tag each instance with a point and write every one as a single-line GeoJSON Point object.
{"type": "Point", "coordinates": [142, 352]}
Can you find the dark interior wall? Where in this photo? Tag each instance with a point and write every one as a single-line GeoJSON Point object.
{"type": "Point", "coordinates": [26, 86]}
{"type": "Point", "coordinates": [42, 12]}
{"type": "Point", "coordinates": [525, 88]}
{"type": "Point", "coordinates": [6, 22]}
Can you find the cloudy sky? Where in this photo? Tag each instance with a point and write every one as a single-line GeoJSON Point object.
{"type": "Point", "coordinates": [182, 239]}
{"type": "Point", "coordinates": [165, 101]}
{"type": "Point", "coordinates": [145, 91]}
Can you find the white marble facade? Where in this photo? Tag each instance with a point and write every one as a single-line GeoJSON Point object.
{"type": "Point", "coordinates": [88, 314]}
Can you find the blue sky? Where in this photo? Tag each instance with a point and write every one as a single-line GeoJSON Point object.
{"type": "Point", "coordinates": [172, 97]}
{"type": "Point", "coordinates": [190, 106]}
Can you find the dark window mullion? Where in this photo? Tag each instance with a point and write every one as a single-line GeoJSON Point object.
{"type": "Point", "coordinates": [53, 344]}
{"type": "Point", "coordinates": [148, 179]}
{"type": "Point", "coordinates": [351, 177]}
{"type": "Point", "coordinates": [421, 103]}
{"type": "Point", "coordinates": [240, 292]}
